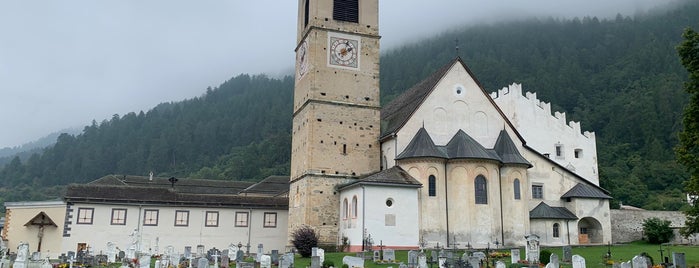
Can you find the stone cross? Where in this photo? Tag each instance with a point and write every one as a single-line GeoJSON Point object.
{"type": "Point", "coordinates": [216, 255]}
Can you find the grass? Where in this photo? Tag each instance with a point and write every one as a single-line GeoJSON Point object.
{"type": "Point", "coordinates": [594, 255]}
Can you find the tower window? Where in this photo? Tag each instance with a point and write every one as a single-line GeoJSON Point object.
{"type": "Point", "coordinates": [515, 185]}
{"type": "Point", "coordinates": [481, 190]}
{"type": "Point", "coordinates": [556, 232]}
{"type": "Point", "coordinates": [305, 13]}
{"type": "Point", "coordinates": [432, 183]}
{"type": "Point", "coordinates": [344, 149]}
{"type": "Point", "coordinates": [346, 10]}
{"type": "Point", "coordinates": [578, 153]}
{"type": "Point", "coordinates": [559, 151]}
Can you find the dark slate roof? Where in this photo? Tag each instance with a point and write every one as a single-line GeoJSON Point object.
{"type": "Point", "coordinates": [395, 176]}
{"type": "Point", "coordinates": [398, 111]}
{"type": "Point", "coordinates": [585, 191]}
{"type": "Point", "coordinates": [191, 192]}
{"type": "Point", "coordinates": [462, 146]}
{"type": "Point", "coordinates": [506, 149]}
{"type": "Point", "coordinates": [272, 185]}
{"type": "Point", "coordinates": [421, 146]}
{"type": "Point", "coordinates": [544, 211]}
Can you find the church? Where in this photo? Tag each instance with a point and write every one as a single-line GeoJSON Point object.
{"type": "Point", "coordinates": [444, 164]}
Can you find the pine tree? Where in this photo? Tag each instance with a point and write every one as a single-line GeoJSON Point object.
{"type": "Point", "coordinates": [688, 148]}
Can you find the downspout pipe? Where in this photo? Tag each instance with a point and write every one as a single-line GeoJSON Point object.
{"type": "Point", "coordinates": [446, 199]}
{"type": "Point", "coordinates": [363, 217]}
{"type": "Point", "coordinates": [502, 219]}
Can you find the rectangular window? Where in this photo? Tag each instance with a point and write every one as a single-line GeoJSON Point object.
{"type": "Point", "coordinates": [270, 220]}
{"type": "Point", "coordinates": [150, 217]}
{"type": "Point", "coordinates": [538, 191]}
{"type": "Point", "coordinates": [578, 153]}
{"type": "Point", "coordinates": [559, 151]}
{"type": "Point", "coordinates": [118, 216]}
{"type": "Point", "coordinates": [85, 215]}
{"type": "Point", "coordinates": [181, 218]}
{"type": "Point", "coordinates": [241, 219]}
{"type": "Point", "coordinates": [211, 219]}
{"type": "Point", "coordinates": [346, 10]}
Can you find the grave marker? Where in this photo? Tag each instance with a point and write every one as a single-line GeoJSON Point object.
{"type": "Point", "coordinates": [421, 260]}
{"type": "Point", "coordinates": [639, 262]}
{"type": "Point", "coordinates": [315, 262]}
{"type": "Point", "coordinates": [626, 264]}
{"type": "Point", "coordinates": [22, 253]}
{"type": "Point", "coordinates": [532, 249]}
{"type": "Point", "coordinates": [353, 262]}
{"type": "Point", "coordinates": [202, 263]}
{"type": "Point", "coordinates": [567, 253]}
{"type": "Point", "coordinates": [514, 255]}
{"type": "Point", "coordinates": [412, 258]}
{"type": "Point", "coordinates": [232, 251]}
{"type": "Point", "coordinates": [144, 261]}
{"type": "Point", "coordinates": [260, 251]}
{"type": "Point", "coordinates": [265, 261]}
{"type": "Point", "coordinates": [578, 261]}
{"type": "Point", "coordinates": [318, 252]}
{"type": "Point", "coordinates": [111, 252]}
{"type": "Point", "coordinates": [377, 256]}
{"type": "Point", "coordinates": [553, 260]}
{"type": "Point", "coordinates": [389, 255]}
{"type": "Point", "coordinates": [500, 264]}
{"type": "Point", "coordinates": [678, 260]}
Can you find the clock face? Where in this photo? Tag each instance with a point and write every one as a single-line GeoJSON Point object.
{"type": "Point", "coordinates": [302, 59]}
{"type": "Point", "coordinates": [344, 52]}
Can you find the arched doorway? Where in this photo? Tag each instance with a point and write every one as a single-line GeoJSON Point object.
{"type": "Point", "coordinates": [590, 231]}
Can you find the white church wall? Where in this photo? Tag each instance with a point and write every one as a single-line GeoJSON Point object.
{"type": "Point", "coordinates": [391, 214]}
{"type": "Point", "coordinates": [431, 212]}
{"type": "Point", "coordinates": [155, 238]}
{"type": "Point", "coordinates": [544, 228]}
{"type": "Point", "coordinates": [351, 220]}
{"type": "Point", "coordinates": [597, 209]}
{"type": "Point", "coordinates": [544, 131]}
{"type": "Point", "coordinates": [515, 211]}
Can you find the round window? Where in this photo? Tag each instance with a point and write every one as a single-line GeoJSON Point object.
{"type": "Point", "coordinates": [459, 90]}
{"type": "Point", "coordinates": [389, 202]}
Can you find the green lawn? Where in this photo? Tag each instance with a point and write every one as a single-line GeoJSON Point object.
{"type": "Point", "coordinates": [594, 255]}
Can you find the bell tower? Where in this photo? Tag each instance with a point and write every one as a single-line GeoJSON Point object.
{"type": "Point", "coordinates": [336, 119]}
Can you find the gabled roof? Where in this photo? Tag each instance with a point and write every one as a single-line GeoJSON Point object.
{"type": "Point", "coordinates": [272, 185]}
{"type": "Point", "coordinates": [462, 146]}
{"type": "Point", "coordinates": [160, 191]}
{"type": "Point", "coordinates": [507, 150]}
{"type": "Point", "coordinates": [396, 113]}
{"type": "Point", "coordinates": [41, 219]}
{"type": "Point", "coordinates": [585, 191]}
{"type": "Point", "coordinates": [395, 176]}
{"type": "Point", "coordinates": [544, 211]}
{"type": "Point", "coordinates": [421, 146]}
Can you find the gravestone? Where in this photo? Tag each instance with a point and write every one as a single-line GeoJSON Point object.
{"type": "Point", "coordinates": [232, 250]}
{"type": "Point", "coordinates": [202, 263]}
{"type": "Point", "coordinates": [412, 258]}
{"type": "Point", "coordinates": [157, 264]}
{"type": "Point", "coordinates": [111, 252]}
{"type": "Point", "coordinates": [434, 255]}
{"type": "Point", "coordinates": [639, 262]}
{"type": "Point", "coordinates": [46, 263]}
{"type": "Point", "coordinates": [578, 261]}
{"type": "Point", "coordinates": [678, 260]}
{"type": "Point", "coordinates": [200, 251]}
{"type": "Point", "coordinates": [187, 252]}
{"type": "Point", "coordinates": [567, 253]}
{"type": "Point", "coordinates": [275, 257]}
{"type": "Point", "coordinates": [265, 261]}
{"type": "Point", "coordinates": [377, 256]}
{"type": "Point", "coordinates": [239, 256]}
{"type": "Point", "coordinates": [389, 255]}
{"type": "Point", "coordinates": [225, 261]}
{"type": "Point", "coordinates": [260, 251]}
{"type": "Point", "coordinates": [315, 262]}
{"type": "Point", "coordinates": [131, 252]}
{"type": "Point", "coordinates": [532, 249]}
{"type": "Point", "coordinates": [616, 265]}
{"type": "Point", "coordinates": [421, 260]}
{"type": "Point", "coordinates": [500, 264]}
{"type": "Point", "coordinates": [318, 252]}
{"type": "Point", "coordinates": [121, 256]}
{"type": "Point", "coordinates": [286, 260]}
{"type": "Point", "coordinates": [144, 261]}
{"type": "Point", "coordinates": [553, 260]}
{"type": "Point", "coordinates": [290, 258]}
{"type": "Point", "coordinates": [479, 255]}
{"type": "Point", "coordinates": [402, 265]}
{"type": "Point", "coordinates": [626, 264]}
{"type": "Point", "coordinates": [353, 262]}
{"type": "Point", "coordinates": [213, 254]}
{"type": "Point", "coordinates": [246, 265]}
{"type": "Point", "coordinates": [22, 255]}
{"type": "Point", "coordinates": [36, 256]}
{"type": "Point", "coordinates": [514, 255]}
{"type": "Point", "coordinates": [172, 257]}
{"type": "Point", "coordinates": [473, 261]}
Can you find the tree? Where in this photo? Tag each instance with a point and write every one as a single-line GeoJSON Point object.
{"type": "Point", "coordinates": [657, 231]}
{"type": "Point", "coordinates": [688, 148]}
{"type": "Point", "coordinates": [304, 240]}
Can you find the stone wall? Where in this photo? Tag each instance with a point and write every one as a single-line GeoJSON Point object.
{"type": "Point", "coordinates": [627, 225]}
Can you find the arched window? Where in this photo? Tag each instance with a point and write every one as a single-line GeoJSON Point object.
{"type": "Point", "coordinates": [515, 185]}
{"type": "Point", "coordinates": [432, 186]}
{"type": "Point", "coordinates": [556, 228]}
{"type": "Point", "coordinates": [345, 209]}
{"type": "Point", "coordinates": [481, 190]}
{"type": "Point", "coordinates": [354, 207]}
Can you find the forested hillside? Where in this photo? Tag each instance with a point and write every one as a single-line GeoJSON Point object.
{"type": "Point", "coordinates": [621, 78]}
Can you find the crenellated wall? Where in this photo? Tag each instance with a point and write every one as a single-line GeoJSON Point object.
{"type": "Point", "coordinates": [549, 134]}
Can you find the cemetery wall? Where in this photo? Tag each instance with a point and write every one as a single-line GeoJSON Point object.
{"type": "Point", "coordinates": [627, 225]}
{"type": "Point", "coordinates": [20, 213]}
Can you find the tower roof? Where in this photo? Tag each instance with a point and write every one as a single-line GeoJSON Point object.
{"type": "Point", "coordinates": [421, 146]}
{"type": "Point", "coordinates": [462, 146]}
{"type": "Point", "coordinates": [506, 149]}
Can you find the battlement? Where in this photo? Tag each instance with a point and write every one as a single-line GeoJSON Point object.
{"type": "Point", "coordinates": [513, 93]}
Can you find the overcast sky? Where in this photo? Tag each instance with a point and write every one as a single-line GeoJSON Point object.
{"type": "Point", "coordinates": [65, 63]}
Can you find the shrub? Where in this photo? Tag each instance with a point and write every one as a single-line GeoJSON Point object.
{"type": "Point", "coordinates": [328, 263]}
{"type": "Point", "coordinates": [544, 256]}
{"type": "Point", "coordinates": [657, 231]}
{"type": "Point", "coordinates": [304, 240]}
